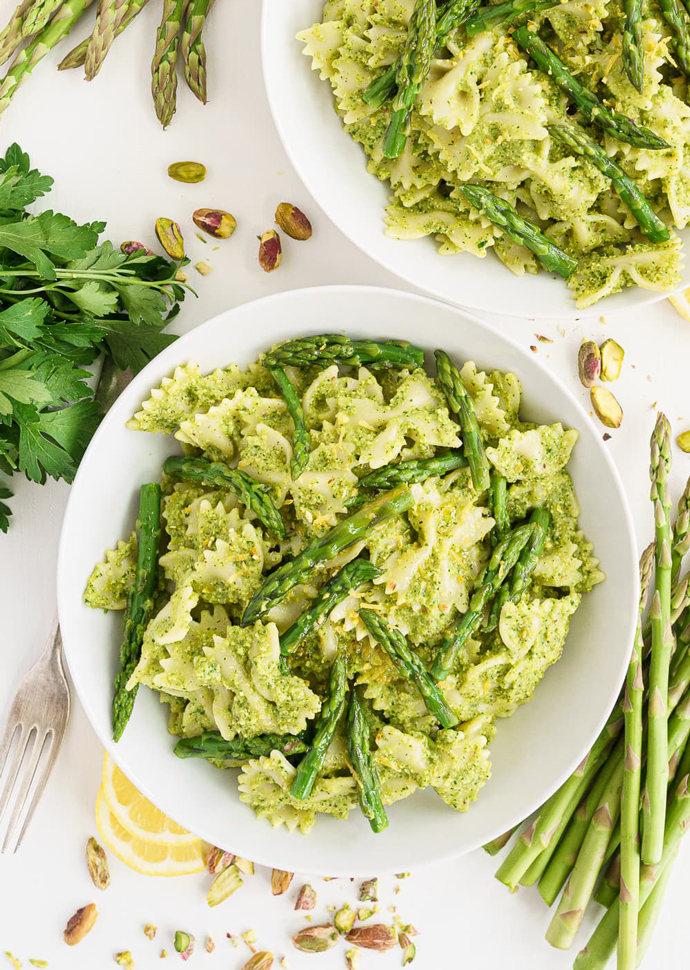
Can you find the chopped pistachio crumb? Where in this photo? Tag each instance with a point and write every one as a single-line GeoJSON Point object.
{"type": "Point", "coordinates": [403, 875]}
{"type": "Point", "coordinates": [284, 963]}
{"type": "Point", "coordinates": [16, 963]}
{"type": "Point", "coordinates": [235, 940]}
{"type": "Point", "coordinates": [363, 914]}
{"type": "Point", "coordinates": [249, 937]}
{"type": "Point", "coordinates": [164, 954]}
{"type": "Point", "coordinates": [38, 963]}
{"type": "Point", "coordinates": [124, 959]}
{"type": "Point", "coordinates": [199, 236]}
{"type": "Point", "coordinates": [150, 930]}
{"type": "Point", "coordinates": [331, 908]}
{"type": "Point", "coordinates": [203, 268]}
{"type": "Point", "coordinates": [353, 959]}
{"type": "Point", "coordinates": [244, 865]}
{"type": "Point", "coordinates": [210, 944]}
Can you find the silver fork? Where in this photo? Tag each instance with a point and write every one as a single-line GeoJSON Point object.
{"type": "Point", "coordinates": [37, 719]}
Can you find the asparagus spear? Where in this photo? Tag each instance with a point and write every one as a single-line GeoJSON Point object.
{"type": "Point", "coordinates": [27, 59]}
{"type": "Point", "coordinates": [630, 795]}
{"type": "Point", "coordinates": [460, 403]}
{"type": "Point", "coordinates": [213, 746]}
{"type": "Point", "coordinates": [117, 17]}
{"type": "Point", "coordinates": [581, 144]}
{"type": "Point", "coordinates": [486, 18]}
{"type": "Point", "coordinates": [455, 13]}
{"type": "Point", "coordinates": [649, 914]}
{"type": "Point", "coordinates": [654, 808]}
{"type": "Point", "coordinates": [326, 725]}
{"type": "Point", "coordinates": [607, 891]}
{"type": "Point", "coordinates": [503, 560]}
{"type": "Point", "coordinates": [408, 663]}
{"type": "Point", "coordinates": [633, 54]}
{"type": "Point", "coordinates": [139, 603]}
{"type": "Point", "coordinates": [498, 494]}
{"type": "Point", "coordinates": [412, 70]}
{"type": "Point", "coordinates": [414, 470]}
{"type": "Point", "coordinates": [163, 74]}
{"type": "Point", "coordinates": [38, 15]}
{"type": "Point", "coordinates": [500, 842]}
{"type": "Point", "coordinates": [602, 943]}
{"type": "Point", "coordinates": [612, 122]}
{"type": "Point", "coordinates": [521, 231]}
{"type": "Point", "coordinates": [345, 534]}
{"type": "Point", "coordinates": [578, 891]}
{"type": "Point", "coordinates": [353, 575]}
{"type": "Point", "coordinates": [218, 475]}
{"type": "Point", "coordinates": [674, 15]}
{"type": "Point", "coordinates": [334, 348]}
{"type": "Point", "coordinates": [680, 543]}
{"type": "Point", "coordinates": [363, 765]}
{"type": "Point", "coordinates": [11, 34]}
{"type": "Point", "coordinates": [301, 442]}
{"type": "Point", "coordinates": [192, 47]}
{"type": "Point", "coordinates": [524, 567]}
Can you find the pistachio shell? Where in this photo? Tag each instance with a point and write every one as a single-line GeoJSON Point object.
{"type": "Point", "coordinates": [612, 355]}
{"type": "Point", "coordinates": [606, 407]}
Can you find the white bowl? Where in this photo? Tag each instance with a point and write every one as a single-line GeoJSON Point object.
{"type": "Point", "coordinates": [332, 167]}
{"type": "Point", "coordinates": [533, 751]}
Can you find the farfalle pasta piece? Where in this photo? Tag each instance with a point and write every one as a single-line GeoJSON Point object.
{"type": "Point", "coordinates": [111, 580]}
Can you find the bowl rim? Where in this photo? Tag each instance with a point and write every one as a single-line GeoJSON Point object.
{"type": "Point", "coordinates": [609, 305]}
{"type": "Point", "coordinates": [143, 382]}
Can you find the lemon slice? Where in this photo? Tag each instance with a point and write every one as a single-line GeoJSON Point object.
{"type": "Point", "coordinates": [681, 301]}
{"type": "Point", "coordinates": [142, 855]}
{"type": "Point", "coordinates": [136, 814]}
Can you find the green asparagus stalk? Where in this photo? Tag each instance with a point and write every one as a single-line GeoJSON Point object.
{"type": "Point", "coordinates": [538, 866]}
{"type": "Point", "coordinates": [412, 70]}
{"type": "Point", "coordinates": [680, 543]}
{"type": "Point", "coordinates": [654, 806]}
{"type": "Point", "coordinates": [617, 125]}
{"type": "Point", "coordinates": [301, 442]}
{"type": "Point", "coordinates": [326, 725]}
{"type": "Point", "coordinates": [38, 15]}
{"type": "Point", "coordinates": [554, 874]}
{"type": "Point", "coordinates": [334, 348]}
{"type": "Point", "coordinates": [11, 35]}
{"type": "Point", "coordinates": [452, 16]}
{"type": "Point", "coordinates": [363, 765]}
{"type": "Point", "coordinates": [674, 15]}
{"type": "Point", "coordinates": [498, 494]}
{"type": "Point", "coordinates": [500, 842]}
{"type": "Point", "coordinates": [649, 914]}
{"type": "Point", "coordinates": [540, 833]}
{"type": "Point", "coordinates": [602, 943]}
{"type": "Point", "coordinates": [112, 18]}
{"type": "Point", "coordinates": [581, 144]}
{"type": "Point", "coordinates": [524, 567]}
{"type": "Point", "coordinates": [414, 470]}
{"type": "Point", "coordinates": [117, 18]}
{"type": "Point", "coordinates": [163, 73]}
{"type": "Point", "coordinates": [192, 48]}
{"type": "Point", "coordinates": [633, 54]}
{"type": "Point", "coordinates": [218, 475]}
{"type": "Point", "coordinates": [460, 403]}
{"type": "Point", "coordinates": [630, 795]}
{"type": "Point", "coordinates": [27, 59]}
{"type": "Point", "coordinates": [607, 892]}
{"type": "Point", "coordinates": [139, 603]}
{"type": "Point", "coordinates": [521, 231]}
{"type": "Point", "coordinates": [408, 663]}
{"type": "Point", "coordinates": [345, 534]}
{"type": "Point", "coordinates": [353, 575]}
{"type": "Point", "coordinates": [214, 747]}
{"type": "Point", "coordinates": [590, 858]}
{"type": "Point", "coordinates": [487, 18]}
{"type": "Point", "coordinates": [502, 562]}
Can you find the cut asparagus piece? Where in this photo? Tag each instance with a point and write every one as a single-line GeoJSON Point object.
{"type": "Point", "coordinates": [345, 534]}
{"type": "Point", "coordinates": [414, 470]}
{"type": "Point", "coordinates": [301, 442]}
{"type": "Point", "coordinates": [326, 725]}
{"type": "Point", "coordinates": [486, 18]}
{"type": "Point", "coordinates": [577, 141]}
{"type": "Point", "coordinates": [617, 125]}
{"type": "Point", "coordinates": [524, 567]}
{"type": "Point", "coordinates": [460, 403]}
{"type": "Point", "coordinates": [674, 15]}
{"type": "Point", "coordinates": [353, 575]}
{"type": "Point", "coordinates": [411, 71]}
{"type": "Point", "coordinates": [334, 348]}
{"type": "Point", "coordinates": [521, 231]}
{"type": "Point", "coordinates": [214, 747]}
{"type": "Point", "coordinates": [218, 475]}
{"type": "Point", "coordinates": [408, 663]}
{"type": "Point", "coordinates": [139, 603]}
{"type": "Point", "coordinates": [363, 765]}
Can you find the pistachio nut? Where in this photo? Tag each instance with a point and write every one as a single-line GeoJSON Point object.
{"type": "Point", "coordinates": [270, 251]}
{"type": "Point", "coordinates": [262, 960]}
{"type": "Point", "coordinates": [218, 859]}
{"type": "Point", "coordinates": [588, 363]}
{"type": "Point", "coordinates": [378, 936]}
{"type": "Point", "coordinates": [80, 924]}
{"type": "Point", "coordinates": [125, 959]}
{"type": "Point", "coordinates": [187, 171]}
{"type": "Point", "coordinates": [683, 442]}
{"type": "Point", "coordinates": [224, 885]}
{"type": "Point", "coordinates": [210, 944]}
{"type": "Point", "coordinates": [131, 246]}
{"type": "Point", "coordinates": [306, 898]}
{"type": "Point", "coordinates": [184, 944]}
{"type": "Point", "coordinates": [353, 959]}
{"type": "Point", "coordinates": [150, 931]}
{"type": "Point", "coordinates": [244, 865]}
{"type": "Point", "coordinates": [293, 221]}
{"type": "Point", "coordinates": [280, 881]}
{"type": "Point", "coordinates": [316, 939]}
{"type": "Point", "coordinates": [203, 268]}
{"type": "Point", "coordinates": [612, 355]}
{"type": "Point", "coordinates": [97, 863]}
{"type": "Point", "coordinates": [216, 222]}
{"type": "Point", "coordinates": [369, 891]}
{"type": "Point", "coordinates": [408, 948]}
{"type": "Point", "coordinates": [606, 407]}
{"type": "Point", "coordinates": [170, 237]}
{"type": "Point", "coordinates": [345, 919]}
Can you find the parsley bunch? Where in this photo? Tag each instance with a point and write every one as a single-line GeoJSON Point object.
{"type": "Point", "coordinates": [64, 301]}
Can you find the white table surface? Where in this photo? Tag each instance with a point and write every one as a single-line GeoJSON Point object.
{"type": "Point", "coordinates": [103, 146]}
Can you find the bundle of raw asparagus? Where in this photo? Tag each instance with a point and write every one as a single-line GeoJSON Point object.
{"type": "Point", "coordinates": [611, 831]}
{"type": "Point", "coordinates": [36, 26]}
